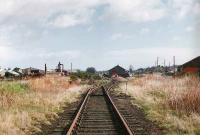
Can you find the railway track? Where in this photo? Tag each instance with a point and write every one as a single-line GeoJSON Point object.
{"type": "Point", "coordinates": [98, 115]}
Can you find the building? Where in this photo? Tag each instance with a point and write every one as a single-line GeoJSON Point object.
{"type": "Point", "coordinates": [11, 74]}
{"type": "Point", "coordinates": [19, 71]}
{"type": "Point", "coordinates": [2, 73]}
{"type": "Point", "coordinates": [118, 71]}
{"type": "Point", "coordinates": [32, 72]}
{"type": "Point", "coordinates": [190, 67]}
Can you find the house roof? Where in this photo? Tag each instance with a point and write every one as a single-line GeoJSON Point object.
{"type": "Point", "coordinates": [193, 63]}
{"type": "Point", "coordinates": [31, 68]}
{"type": "Point", "coordinates": [13, 72]}
{"type": "Point", "coordinates": [118, 68]}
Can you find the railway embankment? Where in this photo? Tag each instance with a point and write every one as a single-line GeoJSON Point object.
{"type": "Point", "coordinates": [26, 105]}
{"type": "Point", "coordinates": [173, 103]}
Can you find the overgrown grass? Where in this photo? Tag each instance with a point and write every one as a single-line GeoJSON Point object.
{"type": "Point", "coordinates": [23, 105]}
{"type": "Point", "coordinates": [84, 76]}
{"type": "Point", "coordinates": [174, 103]}
{"type": "Point", "coordinates": [13, 87]}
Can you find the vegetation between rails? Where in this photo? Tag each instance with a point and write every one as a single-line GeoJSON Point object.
{"type": "Point", "coordinates": [174, 103]}
{"type": "Point", "coordinates": [25, 104]}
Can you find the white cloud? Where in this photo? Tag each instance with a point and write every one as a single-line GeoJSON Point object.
{"type": "Point", "coordinates": [176, 38]}
{"type": "Point", "coordinates": [135, 11]}
{"type": "Point", "coordinates": [117, 36]}
{"type": "Point", "coordinates": [67, 21]}
{"type": "Point", "coordinates": [65, 12]}
{"type": "Point", "coordinates": [144, 30]}
{"type": "Point", "coordinates": [183, 8]}
{"type": "Point", "coordinates": [90, 28]}
{"type": "Point", "coordinates": [189, 29]}
{"type": "Point", "coordinates": [153, 10]}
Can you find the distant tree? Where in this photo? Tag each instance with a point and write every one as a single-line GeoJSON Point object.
{"type": "Point", "coordinates": [91, 70]}
{"type": "Point", "coordinates": [78, 70]}
{"type": "Point", "coordinates": [96, 77]}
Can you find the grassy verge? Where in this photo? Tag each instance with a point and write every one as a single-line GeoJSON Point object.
{"type": "Point", "coordinates": [24, 104]}
{"type": "Point", "coordinates": [173, 103]}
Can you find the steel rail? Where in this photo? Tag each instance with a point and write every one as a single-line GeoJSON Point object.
{"type": "Point", "coordinates": [125, 125]}
{"type": "Point", "coordinates": [116, 111]}
{"type": "Point", "coordinates": [73, 125]}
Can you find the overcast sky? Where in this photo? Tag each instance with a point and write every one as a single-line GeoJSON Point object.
{"type": "Point", "coordinates": [99, 33]}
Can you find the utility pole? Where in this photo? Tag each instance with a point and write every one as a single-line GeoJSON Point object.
{"type": "Point", "coordinates": [71, 67]}
{"type": "Point", "coordinates": [164, 67]}
{"type": "Point", "coordinates": [157, 64]}
{"type": "Point", "coordinates": [157, 61]}
{"type": "Point", "coordinates": [45, 69]}
{"type": "Point", "coordinates": [174, 59]}
{"type": "Point", "coordinates": [164, 62]}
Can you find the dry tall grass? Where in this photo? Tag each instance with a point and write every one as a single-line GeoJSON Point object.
{"type": "Point", "coordinates": [24, 104]}
{"type": "Point", "coordinates": [175, 103]}
{"type": "Point", "coordinates": [50, 83]}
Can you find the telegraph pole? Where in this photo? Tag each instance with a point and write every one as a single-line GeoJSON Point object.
{"type": "Point", "coordinates": [174, 59]}
{"type": "Point", "coordinates": [164, 67]}
{"type": "Point", "coordinates": [71, 67]}
{"type": "Point", "coordinates": [157, 64]}
{"type": "Point", "coordinates": [164, 62]}
{"type": "Point", "coordinates": [157, 61]}
{"type": "Point", "coordinates": [45, 69]}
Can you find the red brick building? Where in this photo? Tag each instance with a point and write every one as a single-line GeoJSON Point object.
{"type": "Point", "coordinates": [191, 67]}
{"type": "Point", "coordinates": [118, 71]}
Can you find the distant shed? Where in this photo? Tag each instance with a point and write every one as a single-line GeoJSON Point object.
{"type": "Point", "coordinates": [2, 73]}
{"type": "Point", "coordinates": [119, 71]}
{"type": "Point", "coordinates": [32, 71]}
{"type": "Point", "coordinates": [192, 66]}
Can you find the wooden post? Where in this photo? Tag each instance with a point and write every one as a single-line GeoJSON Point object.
{"type": "Point", "coordinates": [157, 61]}
{"type": "Point", "coordinates": [174, 65]}
{"type": "Point", "coordinates": [71, 67]}
{"type": "Point", "coordinates": [45, 69]}
{"type": "Point", "coordinates": [126, 85]}
{"type": "Point", "coordinates": [157, 64]}
{"type": "Point", "coordinates": [164, 62]}
{"type": "Point", "coordinates": [164, 67]}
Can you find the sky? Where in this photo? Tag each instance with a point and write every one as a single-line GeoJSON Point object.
{"type": "Point", "coordinates": [98, 33]}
